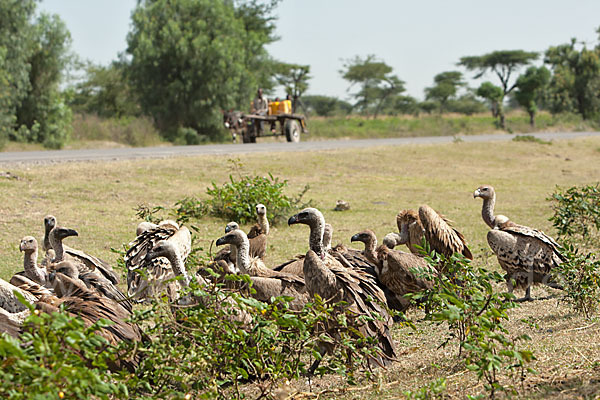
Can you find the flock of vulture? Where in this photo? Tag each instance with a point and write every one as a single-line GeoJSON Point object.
{"type": "Point", "coordinates": [369, 282]}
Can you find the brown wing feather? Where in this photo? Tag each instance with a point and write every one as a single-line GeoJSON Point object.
{"type": "Point", "coordinates": [94, 263]}
{"type": "Point", "coordinates": [258, 246]}
{"type": "Point", "coordinates": [442, 237]}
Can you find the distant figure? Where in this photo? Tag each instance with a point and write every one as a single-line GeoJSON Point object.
{"type": "Point", "coordinates": [260, 106]}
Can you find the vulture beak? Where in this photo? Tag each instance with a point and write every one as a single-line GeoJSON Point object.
{"type": "Point", "coordinates": [355, 238]}
{"type": "Point", "coordinates": [66, 232]}
{"type": "Point", "coordinates": [52, 276]}
{"type": "Point", "coordinates": [21, 247]}
{"type": "Point", "coordinates": [221, 241]}
{"type": "Point", "coordinates": [476, 193]}
{"type": "Point", "coordinates": [293, 220]}
{"type": "Point", "coordinates": [227, 230]}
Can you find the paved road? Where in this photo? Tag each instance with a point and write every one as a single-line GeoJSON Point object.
{"type": "Point", "coordinates": [53, 156]}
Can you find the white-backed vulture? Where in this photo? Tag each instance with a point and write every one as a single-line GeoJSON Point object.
{"type": "Point", "coordinates": [325, 276]}
{"type": "Point", "coordinates": [91, 262]}
{"type": "Point", "coordinates": [265, 281]}
{"type": "Point", "coordinates": [436, 228]}
{"type": "Point", "coordinates": [401, 272]}
{"type": "Point", "coordinates": [526, 254]}
{"type": "Point", "coordinates": [29, 247]}
{"type": "Point", "coordinates": [92, 281]}
{"type": "Point", "coordinates": [257, 234]}
{"type": "Point", "coordinates": [147, 277]}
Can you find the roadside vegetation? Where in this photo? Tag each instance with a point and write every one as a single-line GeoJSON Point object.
{"type": "Point", "coordinates": [486, 348]}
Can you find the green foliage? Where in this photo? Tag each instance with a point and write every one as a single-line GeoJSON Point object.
{"type": "Point", "coordinates": [530, 139]}
{"type": "Point", "coordinates": [493, 94]}
{"type": "Point", "coordinates": [375, 80]}
{"type": "Point", "coordinates": [190, 59]}
{"type": "Point", "coordinates": [463, 297]}
{"type": "Point", "coordinates": [466, 104]}
{"type": "Point", "coordinates": [58, 356]}
{"type": "Point", "coordinates": [579, 274]}
{"type": "Point", "coordinates": [530, 88]}
{"type": "Point", "coordinates": [445, 88]}
{"type": "Point", "coordinates": [127, 130]}
{"type": "Point", "coordinates": [294, 79]}
{"type": "Point", "coordinates": [326, 106]}
{"type": "Point", "coordinates": [575, 82]}
{"type": "Point", "coordinates": [433, 390]}
{"type": "Point", "coordinates": [577, 212]}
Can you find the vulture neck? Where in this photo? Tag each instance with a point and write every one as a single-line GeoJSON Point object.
{"type": "Point", "coordinates": [32, 271]}
{"type": "Point", "coordinates": [46, 242]}
{"type": "Point", "coordinates": [264, 223]}
{"type": "Point", "coordinates": [59, 252]}
{"type": "Point", "coordinates": [370, 246]}
{"type": "Point", "coordinates": [242, 260]}
{"type": "Point", "coordinates": [317, 228]}
{"type": "Point", "coordinates": [178, 266]}
{"type": "Point", "coordinates": [404, 237]}
{"type": "Point", "coordinates": [487, 211]}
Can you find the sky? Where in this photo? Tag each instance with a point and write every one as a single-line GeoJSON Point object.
{"type": "Point", "coordinates": [418, 39]}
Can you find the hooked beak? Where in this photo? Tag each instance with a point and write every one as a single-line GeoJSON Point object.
{"type": "Point", "coordinates": [293, 220]}
{"type": "Point", "coordinates": [476, 193]}
{"type": "Point", "coordinates": [355, 238]}
{"type": "Point", "coordinates": [221, 241]}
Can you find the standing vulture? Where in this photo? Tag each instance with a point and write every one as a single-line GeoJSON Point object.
{"type": "Point", "coordinates": [266, 282]}
{"type": "Point", "coordinates": [31, 269]}
{"type": "Point", "coordinates": [91, 262]}
{"type": "Point", "coordinates": [325, 276]}
{"type": "Point", "coordinates": [438, 232]}
{"type": "Point", "coordinates": [401, 272]}
{"type": "Point", "coordinates": [147, 277]}
{"type": "Point", "coordinates": [526, 254]}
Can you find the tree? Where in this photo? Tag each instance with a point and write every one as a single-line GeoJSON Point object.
{"type": "Point", "coordinates": [494, 95]}
{"type": "Point", "coordinates": [503, 63]}
{"type": "Point", "coordinates": [43, 116]}
{"type": "Point", "coordinates": [375, 80]}
{"type": "Point", "coordinates": [192, 58]}
{"type": "Point", "coordinates": [575, 82]}
{"type": "Point", "coordinates": [529, 88]}
{"type": "Point", "coordinates": [445, 88]}
{"type": "Point", "coordinates": [294, 78]}
{"type": "Point", "coordinates": [467, 104]}
{"type": "Point", "coordinates": [14, 53]}
{"type": "Point", "coordinates": [326, 106]}
{"type": "Point", "coordinates": [105, 91]}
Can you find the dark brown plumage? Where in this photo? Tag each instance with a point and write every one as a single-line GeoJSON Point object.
{"type": "Point", "coordinates": [527, 255]}
{"type": "Point", "coordinates": [325, 276]}
{"type": "Point", "coordinates": [436, 229]}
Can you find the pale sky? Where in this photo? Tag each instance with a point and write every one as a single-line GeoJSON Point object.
{"type": "Point", "coordinates": [419, 39]}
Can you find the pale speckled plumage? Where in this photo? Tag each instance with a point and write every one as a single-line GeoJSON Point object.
{"type": "Point", "coordinates": [29, 247]}
{"type": "Point", "coordinates": [527, 255]}
{"type": "Point", "coordinates": [157, 270]}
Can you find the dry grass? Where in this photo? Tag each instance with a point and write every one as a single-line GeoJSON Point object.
{"type": "Point", "coordinates": [98, 199]}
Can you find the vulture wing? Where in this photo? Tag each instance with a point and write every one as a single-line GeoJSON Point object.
{"type": "Point", "coordinates": [442, 237]}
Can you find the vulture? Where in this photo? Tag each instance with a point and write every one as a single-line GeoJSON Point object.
{"type": "Point", "coordinates": [92, 281]}
{"type": "Point", "coordinates": [438, 232]}
{"type": "Point", "coordinates": [90, 262]}
{"type": "Point", "coordinates": [391, 240]}
{"type": "Point", "coordinates": [257, 233]}
{"type": "Point", "coordinates": [29, 247]}
{"type": "Point", "coordinates": [526, 254]}
{"type": "Point", "coordinates": [267, 282]}
{"type": "Point", "coordinates": [326, 276]}
{"type": "Point", "coordinates": [149, 276]}
{"type": "Point", "coordinates": [401, 272]}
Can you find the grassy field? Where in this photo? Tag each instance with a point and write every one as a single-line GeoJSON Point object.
{"type": "Point", "coordinates": [98, 199]}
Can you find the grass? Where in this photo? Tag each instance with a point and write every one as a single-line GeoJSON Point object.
{"type": "Point", "coordinates": [98, 199]}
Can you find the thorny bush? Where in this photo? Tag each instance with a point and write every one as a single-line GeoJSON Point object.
{"type": "Point", "coordinates": [577, 213]}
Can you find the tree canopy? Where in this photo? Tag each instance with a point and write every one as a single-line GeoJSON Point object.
{"type": "Point", "coordinates": [445, 88]}
{"type": "Point", "coordinates": [294, 78]}
{"type": "Point", "coordinates": [529, 89]}
{"type": "Point", "coordinates": [192, 58]}
{"type": "Point", "coordinates": [376, 81]}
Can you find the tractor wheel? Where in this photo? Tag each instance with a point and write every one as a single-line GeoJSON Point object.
{"type": "Point", "coordinates": [292, 131]}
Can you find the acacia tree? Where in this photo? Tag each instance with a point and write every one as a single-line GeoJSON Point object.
{"type": "Point", "coordinates": [503, 63]}
{"type": "Point", "coordinates": [294, 78]}
{"type": "Point", "coordinates": [191, 58]}
{"type": "Point", "coordinates": [529, 88]}
{"type": "Point", "coordinates": [576, 79]}
{"type": "Point", "coordinates": [376, 81]}
{"type": "Point", "coordinates": [494, 95]}
{"type": "Point", "coordinates": [445, 88]}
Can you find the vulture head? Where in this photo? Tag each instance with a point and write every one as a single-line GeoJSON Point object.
{"type": "Point", "coordinates": [145, 226]}
{"type": "Point", "coordinates": [391, 240]}
{"type": "Point", "coordinates": [486, 192]}
{"type": "Point", "coordinates": [49, 222]}
{"type": "Point", "coordinates": [316, 221]}
{"type": "Point", "coordinates": [58, 233]}
{"type": "Point", "coordinates": [261, 209]}
{"type": "Point", "coordinates": [235, 238]}
{"type": "Point", "coordinates": [28, 244]}
{"type": "Point", "coordinates": [366, 236]}
{"type": "Point", "coordinates": [231, 226]}
{"type": "Point", "coordinates": [162, 248]}
{"type": "Point", "coordinates": [169, 224]}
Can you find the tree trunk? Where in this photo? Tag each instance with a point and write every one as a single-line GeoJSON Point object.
{"type": "Point", "coordinates": [532, 119]}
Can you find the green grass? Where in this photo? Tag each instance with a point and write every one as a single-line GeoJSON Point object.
{"type": "Point", "coordinates": [98, 200]}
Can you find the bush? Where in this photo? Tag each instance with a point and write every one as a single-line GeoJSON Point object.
{"type": "Point", "coordinates": [577, 212]}
{"type": "Point", "coordinates": [580, 276]}
{"type": "Point", "coordinates": [463, 297]}
{"type": "Point", "coordinates": [57, 356]}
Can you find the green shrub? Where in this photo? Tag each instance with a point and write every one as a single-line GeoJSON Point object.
{"type": "Point", "coordinates": [57, 356]}
{"type": "Point", "coordinates": [530, 139]}
{"type": "Point", "coordinates": [580, 277]}
{"type": "Point", "coordinates": [463, 297]}
{"type": "Point", "coordinates": [577, 212]}
{"type": "Point", "coordinates": [433, 390]}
